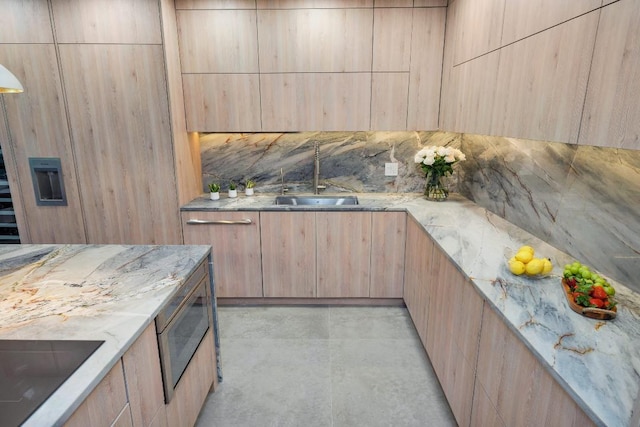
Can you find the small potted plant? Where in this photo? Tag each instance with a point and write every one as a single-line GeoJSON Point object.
{"type": "Point", "coordinates": [248, 190]}
{"type": "Point", "coordinates": [214, 189]}
{"type": "Point", "coordinates": [232, 190]}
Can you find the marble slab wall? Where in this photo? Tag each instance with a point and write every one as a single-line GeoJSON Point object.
{"type": "Point", "coordinates": [583, 200]}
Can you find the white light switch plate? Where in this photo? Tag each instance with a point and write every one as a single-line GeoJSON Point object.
{"type": "Point", "coordinates": [391, 169]}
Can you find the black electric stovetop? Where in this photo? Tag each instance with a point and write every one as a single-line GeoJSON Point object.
{"type": "Point", "coordinates": [31, 370]}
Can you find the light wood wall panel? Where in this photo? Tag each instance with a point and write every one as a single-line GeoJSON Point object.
{"type": "Point", "coordinates": [38, 128]}
{"type": "Point", "coordinates": [479, 28]}
{"type": "Point", "coordinates": [508, 372]}
{"type": "Point", "coordinates": [318, 40]}
{"type": "Point", "coordinates": [315, 101]}
{"type": "Point", "coordinates": [542, 82]}
{"type": "Point", "coordinates": [611, 116]}
{"type": "Point", "coordinates": [122, 141]}
{"type": "Point", "coordinates": [523, 18]}
{"type": "Point", "coordinates": [288, 242]}
{"type": "Point", "coordinates": [393, 3]}
{"type": "Point", "coordinates": [218, 41]}
{"type": "Point", "coordinates": [427, 47]}
{"type": "Point", "coordinates": [215, 4]}
{"type": "Point", "coordinates": [347, 237]}
{"type": "Point", "coordinates": [392, 39]}
{"type": "Point", "coordinates": [388, 238]}
{"type": "Point", "coordinates": [123, 21]}
{"type": "Point", "coordinates": [187, 160]}
{"type": "Point", "coordinates": [313, 4]}
{"type": "Point", "coordinates": [430, 3]}
{"type": "Point", "coordinates": [389, 97]}
{"type": "Point", "coordinates": [224, 102]}
{"type": "Point", "coordinates": [25, 21]}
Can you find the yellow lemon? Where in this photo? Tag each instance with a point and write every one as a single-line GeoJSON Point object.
{"type": "Point", "coordinates": [547, 266]}
{"type": "Point", "coordinates": [512, 259]}
{"type": "Point", "coordinates": [527, 248]}
{"type": "Point", "coordinates": [517, 267]}
{"type": "Point", "coordinates": [524, 256]}
{"type": "Point", "coordinates": [534, 267]}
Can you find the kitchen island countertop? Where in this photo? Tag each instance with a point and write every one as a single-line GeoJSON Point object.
{"type": "Point", "coordinates": [596, 362]}
{"type": "Point", "coordinates": [87, 292]}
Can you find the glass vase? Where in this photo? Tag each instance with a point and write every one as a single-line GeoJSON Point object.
{"type": "Point", "coordinates": [436, 188]}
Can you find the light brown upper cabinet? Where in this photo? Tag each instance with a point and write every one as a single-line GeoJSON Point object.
{"type": "Point", "coordinates": [218, 41]}
{"type": "Point", "coordinates": [315, 40]}
{"type": "Point", "coordinates": [315, 101]}
{"type": "Point", "coordinates": [215, 4]}
{"type": "Point", "coordinates": [392, 39]}
{"type": "Point", "coordinates": [312, 4]}
{"type": "Point", "coordinates": [611, 110]}
{"type": "Point", "coordinates": [123, 21]}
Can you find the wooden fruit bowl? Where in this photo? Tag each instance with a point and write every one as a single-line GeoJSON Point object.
{"type": "Point", "coordinates": [591, 312]}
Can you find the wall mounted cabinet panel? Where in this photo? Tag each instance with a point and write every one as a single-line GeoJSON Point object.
{"type": "Point", "coordinates": [215, 4]}
{"type": "Point", "coordinates": [611, 114]}
{"type": "Point", "coordinates": [25, 21]}
{"type": "Point", "coordinates": [392, 39]}
{"type": "Point", "coordinates": [543, 82]}
{"type": "Point", "coordinates": [218, 41]}
{"type": "Point", "coordinates": [524, 18]}
{"type": "Point", "coordinates": [479, 28]}
{"type": "Point", "coordinates": [313, 4]}
{"type": "Point", "coordinates": [388, 237]}
{"type": "Point", "coordinates": [315, 101]}
{"type": "Point", "coordinates": [38, 128]}
{"type": "Point", "coordinates": [393, 3]}
{"type": "Point", "coordinates": [315, 40]}
{"type": "Point", "coordinates": [344, 251]}
{"type": "Point", "coordinates": [389, 93]}
{"type": "Point", "coordinates": [119, 116]}
{"type": "Point", "coordinates": [223, 102]}
{"type": "Point", "coordinates": [123, 21]}
{"type": "Point", "coordinates": [427, 44]}
{"type": "Point", "coordinates": [288, 254]}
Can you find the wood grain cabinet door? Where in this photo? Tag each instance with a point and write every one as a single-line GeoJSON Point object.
{"type": "Point", "coordinates": [288, 254]}
{"type": "Point", "coordinates": [344, 254]}
{"type": "Point", "coordinates": [235, 241]}
{"type": "Point", "coordinates": [388, 236]}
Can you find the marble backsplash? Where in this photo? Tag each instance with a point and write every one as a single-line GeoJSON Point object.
{"type": "Point", "coordinates": [583, 200]}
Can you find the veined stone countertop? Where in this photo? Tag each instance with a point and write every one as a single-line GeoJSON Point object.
{"type": "Point", "coordinates": [596, 362]}
{"type": "Point", "coordinates": [87, 292]}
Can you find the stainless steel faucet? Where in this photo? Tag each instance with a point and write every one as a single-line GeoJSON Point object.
{"type": "Point", "coordinates": [283, 189]}
{"type": "Point", "coordinates": [316, 169]}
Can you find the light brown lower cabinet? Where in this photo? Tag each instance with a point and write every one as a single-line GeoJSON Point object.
{"type": "Point", "coordinates": [288, 242]}
{"type": "Point", "coordinates": [195, 384]}
{"type": "Point", "coordinates": [388, 236]}
{"type": "Point", "coordinates": [235, 241]}
{"type": "Point", "coordinates": [344, 254]}
{"type": "Point", "coordinates": [489, 377]}
{"type": "Point", "coordinates": [513, 388]}
{"type": "Point", "coordinates": [106, 404]}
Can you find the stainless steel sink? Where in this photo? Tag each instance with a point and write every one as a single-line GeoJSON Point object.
{"type": "Point", "coordinates": [316, 200]}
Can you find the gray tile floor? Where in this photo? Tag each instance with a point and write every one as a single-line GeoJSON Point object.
{"type": "Point", "coordinates": [323, 366]}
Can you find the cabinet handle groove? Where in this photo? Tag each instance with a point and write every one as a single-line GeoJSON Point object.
{"type": "Point", "coordinates": [245, 221]}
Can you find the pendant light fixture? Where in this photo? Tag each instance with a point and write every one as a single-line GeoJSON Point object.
{"type": "Point", "coordinates": [8, 82]}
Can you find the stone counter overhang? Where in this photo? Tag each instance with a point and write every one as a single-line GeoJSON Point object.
{"type": "Point", "coordinates": [596, 362]}
{"type": "Point", "coordinates": [87, 292]}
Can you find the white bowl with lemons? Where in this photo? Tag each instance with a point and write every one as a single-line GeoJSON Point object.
{"type": "Point", "coordinates": [524, 262]}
